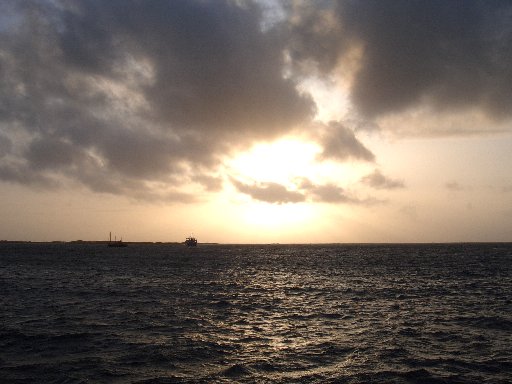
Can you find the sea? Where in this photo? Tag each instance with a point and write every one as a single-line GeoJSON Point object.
{"type": "Point", "coordinates": [165, 313]}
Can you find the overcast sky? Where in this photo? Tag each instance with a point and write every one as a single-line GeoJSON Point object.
{"type": "Point", "coordinates": [264, 121]}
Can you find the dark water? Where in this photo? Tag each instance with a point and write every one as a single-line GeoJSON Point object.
{"type": "Point", "coordinates": [77, 313]}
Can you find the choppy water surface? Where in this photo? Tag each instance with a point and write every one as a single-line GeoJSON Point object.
{"type": "Point", "coordinates": [73, 313]}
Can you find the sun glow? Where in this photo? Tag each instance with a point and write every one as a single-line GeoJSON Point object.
{"type": "Point", "coordinates": [282, 162]}
{"type": "Point", "coordinates": [274, 187]}
{"type": "Point", "coordinates": [288, 160]}
{"type": "Point", "coordinates": [277, 162]}
{"type": "Point", "coordinates": [275, 217]}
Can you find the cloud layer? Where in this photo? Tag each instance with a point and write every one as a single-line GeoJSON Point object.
{"type": "Point", "coordinates": [121, 93]}
{"type": "Point", "coordinates": [377, 180]}
{"type": "Point", "coordinates": [449, 54]}
{"type": "Point", "coordinates": [302, 190]}
{"type": "Point", "coordinates": [131, 97]}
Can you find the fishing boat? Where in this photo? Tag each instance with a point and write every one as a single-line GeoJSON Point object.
{"type": "Point", "coordinates": [116, 243]}
{"type": "Point", "coordinates": [191, 241]}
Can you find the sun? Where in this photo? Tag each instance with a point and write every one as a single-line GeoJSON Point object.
{"type": "Point", "coordinates": [290, 159]}
{"type": "Point", "coordinates": [282, 162]}
{"type": "Point", "coordinates": [270, 170]}
{"type": "Point", "coordinates": [278, 161]}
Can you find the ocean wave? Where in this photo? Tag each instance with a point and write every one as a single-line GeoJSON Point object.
{"type": "Point", "coordinates": [256, 314]}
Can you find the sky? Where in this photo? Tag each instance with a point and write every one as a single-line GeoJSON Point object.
{"type": "Point", "coordinates": [256, 121]}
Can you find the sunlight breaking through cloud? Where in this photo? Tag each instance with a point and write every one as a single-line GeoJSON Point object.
{"type": "Point", "coordinates": [330, 103]}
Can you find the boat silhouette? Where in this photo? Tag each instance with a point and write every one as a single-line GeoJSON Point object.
{"type": "Point", "coordinates": [116, 243]}
{"type": "Point", "coordinates": [191, 241]}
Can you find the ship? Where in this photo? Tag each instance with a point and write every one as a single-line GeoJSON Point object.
{"type": "Point", "coordinates": [191, 241]}
{"type": "Point", "coordinates": [116, 243]}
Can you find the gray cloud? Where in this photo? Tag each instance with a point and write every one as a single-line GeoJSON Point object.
{"type": "Point", "coordinates": [451, 54]}
{"type": "Point", "coordinates": [340, 143]}
{"type": "Point", "coordinates": [122, 93]}
{"type": "Point", "coordinates": [328, 193]}
{"type": "Point", "coordinates": [52, 154]}
{"type": "Point", "coordinates": [210, 183]}
{"type": "Point", "coordinates": [5, 145]}
{"type": "Point", "coordinates": [269, 192]}
{"type": "Point", "coordinates": [305, 190]}
{"type": "Point", "coordinates": [377, 180]}
{"type": "Point", "coordinates": [19, 173]}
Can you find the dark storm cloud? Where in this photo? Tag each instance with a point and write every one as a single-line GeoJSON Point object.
{"type": "Point", "coordinates": [450, 54]}
{"type": "Point", "coordinates": [118, 94]}
{"type": "Point", "coordinates": [214, 68]}
{"type": "Point", "coordinates": [51, 154]}
{"type": "Point", "coordinates": [5, 145]}
{"type": "Point", "coordinates": [123, 95]}
{"type": "Point", "coordinates": [377, 180]}
{"type": "Point", "coordinates": [20, 173]}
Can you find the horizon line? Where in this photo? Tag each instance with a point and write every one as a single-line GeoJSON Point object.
{"type": "Point", "coordinates": [3, 241]}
